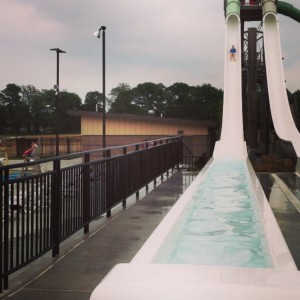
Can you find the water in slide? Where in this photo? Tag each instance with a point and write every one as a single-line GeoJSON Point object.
{"type": "Point", "coordinates": [231, 143]}
{"type": "Point", "coordinates": [280, 109]}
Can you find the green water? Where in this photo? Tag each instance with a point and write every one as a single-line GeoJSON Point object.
{"type": "Point", "coordinates": [221, 225]}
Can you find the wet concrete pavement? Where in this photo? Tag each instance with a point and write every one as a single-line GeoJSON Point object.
{"type": "Point", "coordinates": [86, 259]}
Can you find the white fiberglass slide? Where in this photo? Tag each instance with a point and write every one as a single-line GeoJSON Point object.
{"type": "Point", "coordinates": [232, 142]}
{"type": "Point", "coordinates": [280, 109]}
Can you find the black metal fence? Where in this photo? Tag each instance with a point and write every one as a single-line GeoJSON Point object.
{"type": "Point", "coordinates": [47, 145]}
{"type": "Point", "coordinates": [40, 209]}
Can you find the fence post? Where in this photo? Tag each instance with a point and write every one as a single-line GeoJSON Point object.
{"type": "Point", "coordinates": [179, 152]}
{"type": "Point", "coordinates": [41, 145]}
{"type": "Point", "coordinates": [56, 207]}
{"type": "Point", "coordinates": [1, 230]}
{"type": "Point", "coordinates": [86, 193]}
{"type": "Point", "coordinates": [107, 153]}
{"type": "Point", "coordinates": [5, 229]}
{"type": "Point", "coordinates": [124, 200]}
{"type": "Point", "coordinates": [68, 145]}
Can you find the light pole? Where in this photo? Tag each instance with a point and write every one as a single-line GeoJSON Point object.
{"type": "Point", "coordinates": [56, 87]}
{"type": "Point", "coordinates": [103, 28]}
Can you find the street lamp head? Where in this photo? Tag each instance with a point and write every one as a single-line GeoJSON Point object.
{"type": "Point", "coordinates": [58, 50]}
{"type": "Point", "coordinates": [97, 33]}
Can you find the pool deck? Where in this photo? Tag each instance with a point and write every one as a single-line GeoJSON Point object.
{"type": "Point", "coordinates": [86, 259]}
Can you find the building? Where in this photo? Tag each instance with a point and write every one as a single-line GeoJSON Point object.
{"type": "Point", "coordinates": [122, 129]}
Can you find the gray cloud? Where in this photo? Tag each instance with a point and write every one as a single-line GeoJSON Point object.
{"type": "Point", "coordinates": [160, 41]}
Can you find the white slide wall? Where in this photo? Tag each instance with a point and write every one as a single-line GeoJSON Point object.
{"type": "Point", "coordinates": [280, 109]}
{"type": "Point", "coordinates": [231, 143]}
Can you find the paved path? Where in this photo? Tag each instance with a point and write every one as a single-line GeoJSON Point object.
{"type": "Point", "coordinates": [85, 260]}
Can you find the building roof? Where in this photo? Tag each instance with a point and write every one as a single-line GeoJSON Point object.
{"type": "Point", "coordinates": [147, 118]}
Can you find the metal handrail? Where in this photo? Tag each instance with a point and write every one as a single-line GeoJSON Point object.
{"type": "Point", "coordinates": [41, 209]}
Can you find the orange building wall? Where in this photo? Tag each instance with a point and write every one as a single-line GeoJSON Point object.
{"type": "Point", "coordinates": [93, 126]}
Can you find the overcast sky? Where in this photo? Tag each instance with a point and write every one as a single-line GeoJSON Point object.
{"type": "Point", "coordinates": [160, 41]}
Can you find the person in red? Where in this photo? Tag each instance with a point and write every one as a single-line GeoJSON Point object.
{"type": "Point", "coordinates": [30, 153]}
{"type": "Point", "coordinates": [252, 2]}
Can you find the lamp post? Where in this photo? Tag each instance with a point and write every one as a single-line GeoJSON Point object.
{"type": "Point", "coordinates": [103, 28]}
{"type": "Point", "coordinates": [56, 87]}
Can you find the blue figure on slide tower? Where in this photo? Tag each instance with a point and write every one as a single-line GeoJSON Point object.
{"type": "Point", "coordinates": [232, 53]}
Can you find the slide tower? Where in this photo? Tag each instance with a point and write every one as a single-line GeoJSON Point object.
{"type": "Point", "coordinates": [260, 85]}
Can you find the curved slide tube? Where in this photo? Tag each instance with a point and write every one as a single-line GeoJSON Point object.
{"type": "Point", "coordinates": [280, 109]}
{"type": "Point", "coordinates": [231, 143]}
{"type": "Point", "coordinates": [288, 10]}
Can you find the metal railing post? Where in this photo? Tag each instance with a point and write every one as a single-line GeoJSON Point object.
{"type": "Point", "coordinates": [4, 229]}
{"type": "Point", "coordinates": [56, 207]}
{"type": "Point", "coordinates": [86, 193]}
{"type": "Point", "coordinates": [108, 213]}
{"type": "Point", "coordinates": [124, 200]}
{"type": "Point", "coordinates": [4, 269]}
{"type": "Point", "coordinates": [1, 231]}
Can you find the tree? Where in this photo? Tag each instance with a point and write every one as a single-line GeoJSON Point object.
{"type": "Point", "coordinates": [15, 111]}
{"type": "Point", "coordinates": [178, 98]}
{"type": "Point", "coordinates": [49, 111]}
{"type": "Point", "coordinates": [121, 100]}
{"type": "Point", "coordinates": [68, 101]}
{"type": "Point", "coordinates": [206, 102]}
{"type": "Point", "coordinates": [3, 115]}
{"type": "Point", "coordinates": [150, 96]}
{"type": "Point", "coordinates": [36, 105]}
{"type": "Point", "coordinates": [93, 99]}
{"type": "Point", "coordinates": [55, 115]}
{"type": "Point", "coordinates": [28, 109]}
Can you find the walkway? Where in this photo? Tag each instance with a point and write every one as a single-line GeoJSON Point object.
{"type": "Point", "coordinates": [85, 260]}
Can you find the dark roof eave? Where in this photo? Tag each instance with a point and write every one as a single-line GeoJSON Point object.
{"type": "Point", "coordinates": [114, 116]}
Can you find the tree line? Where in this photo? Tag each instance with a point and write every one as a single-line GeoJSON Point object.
{"type": "Point", "coordinates": [27, 110]}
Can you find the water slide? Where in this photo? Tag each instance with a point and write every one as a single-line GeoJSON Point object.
{"type": "Point", "coordinates": [279, 104]}
{"type": "Point", "coordinates": [231, 143]}
{"type": "Point", "coordinates": [144, 279]}
{"type": "Point", "coordinates": [288, 10]}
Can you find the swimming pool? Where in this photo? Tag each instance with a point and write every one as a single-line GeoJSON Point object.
{"type": "Point", "coordinates": [221, 224]}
